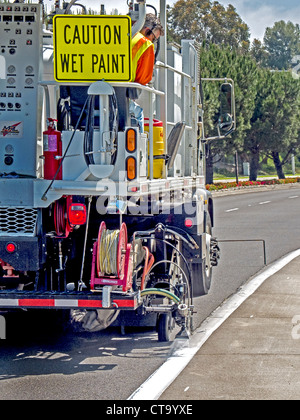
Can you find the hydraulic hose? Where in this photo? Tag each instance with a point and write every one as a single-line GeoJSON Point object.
{"type": "Point", "coordinates": [149, 261]}
{"type": "Point", "coordinates": [184, 275]}
{"type": "Point", "coordinates": [161, 292]}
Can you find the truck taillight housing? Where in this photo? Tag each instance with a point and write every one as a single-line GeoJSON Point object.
{"type": "Point", "coordinates": [131, 140]}
{"type": "Point", "coordinates": [77, 214]}
{"type": "Point", "coordinates": [131, 168]}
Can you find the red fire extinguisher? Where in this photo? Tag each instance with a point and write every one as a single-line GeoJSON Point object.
{"type": "Point", "coordinates": [52, 149]}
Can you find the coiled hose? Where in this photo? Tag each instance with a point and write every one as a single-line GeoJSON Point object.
{"type": "Point", "coordinates": [108, 251]}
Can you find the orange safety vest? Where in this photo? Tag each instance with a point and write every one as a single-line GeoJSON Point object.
{"type": "Point", "coordinates": [139, 45]}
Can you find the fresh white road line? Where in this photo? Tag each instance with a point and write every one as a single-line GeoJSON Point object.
{"type": "Point", "coordinates": [228, 211]}
{"type": "Point", "coordinates": [183, 351]}
{"type": "Point", "coordinates": [264, 202]}
{"type": "Point", "coordinates": [294, 196]}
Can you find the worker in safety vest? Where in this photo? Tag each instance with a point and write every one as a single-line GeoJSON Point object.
{"type": "Point", "coordinates": [143, 59]}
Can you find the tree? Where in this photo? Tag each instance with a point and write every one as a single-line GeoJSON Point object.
{"type": "Point", "coordinates": [259, 53]}
{"type": "Point", "coordinates": [274, 129]}
{"type": "Point", "coordinates": [282, 43]}
{"type": "Point", "coordinates": [221, 62]}
{"type": "Point", "coordinates": [252, 143]}
{"type": "Point", "coordinates": [225, 40]}
{"type": "Point", "coordinates": [226, 27]}
{"type": "Point", "coordinates": [283, 139]}
{"type": "Point", "coordinates": [275, 122]}
{"type": "Point", "coordinates": [209, 22]}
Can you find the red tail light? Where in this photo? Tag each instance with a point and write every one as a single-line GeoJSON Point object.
{"type": "Point", "coordinates": [10, 247]}
{"type": "Point", "coordinates": [188, 223]}
{"type": "Point", "coordinates": [77, 214]}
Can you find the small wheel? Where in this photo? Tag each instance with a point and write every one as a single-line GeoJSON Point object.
{"type": "Point", "coordinates": [202, 272]}
{"type": "Point", "coordinates": [207, 267]}
{"type": "Point", "coordinates": [164, 327]}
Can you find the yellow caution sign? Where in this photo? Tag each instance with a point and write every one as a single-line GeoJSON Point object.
{"type": "Point", "coordinates": [88, 48]}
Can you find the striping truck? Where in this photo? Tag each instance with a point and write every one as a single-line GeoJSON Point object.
{"type": "Point", "coordinates": [111, 225]}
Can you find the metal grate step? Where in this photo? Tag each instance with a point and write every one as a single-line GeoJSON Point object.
{"type": "Point", "coordinates": [15, 221]}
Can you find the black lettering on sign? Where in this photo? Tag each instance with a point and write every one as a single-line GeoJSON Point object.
{"type": "Point", "coordinates": [86, 34]}
{"type": "Point", "coordinates": [73, 61]}
{"type": "Point", "coordinates": [64, 62]}
{"type": "Point", "coordinates": [93, 34]}
{"type": "Point", "coordinates": [76, 35]}
{"type": "Point", "coordinates": [66, 39]}
{"type": "Point", "coordinates": [102, 65]}
{"type": "Point", "coordinates": [107, 34]}
{"type": "Point", "coordinates": [107, 63]}
{"type": "Point", "coordinates": [94, 62]}
{"type": "Point", "coordinates": [117, 35]}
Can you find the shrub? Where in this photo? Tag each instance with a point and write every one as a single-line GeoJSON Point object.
{"type": "Point", "coordinates": [241, 184]}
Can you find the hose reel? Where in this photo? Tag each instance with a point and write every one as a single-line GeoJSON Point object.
{"type": "Point", "coordinates": [111, 250]}
{"type": "Point", "coordinates": [61, 222]}
{"type": "Point", "coordinates": [112, 259]}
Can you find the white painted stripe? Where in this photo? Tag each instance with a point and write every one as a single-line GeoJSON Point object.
{"type": "Point", "coordinates": [9, 302]}
{"type": "Point", "coordinates": [228, 211]}
{"type": "Point", "coordinates": [294, 196]}
{"type": "Point", "coordinates": [67, 303]}
{"type": "Point", "coordinates": [183, 352]}
{"type": "Point", "coordinates": [265, 202]}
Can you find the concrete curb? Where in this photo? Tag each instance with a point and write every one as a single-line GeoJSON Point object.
{"type": "Point", "coordinates": [255, 188]}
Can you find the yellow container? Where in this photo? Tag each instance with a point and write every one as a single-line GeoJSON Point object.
{"type": "Point", "coordinates": [159, 149]}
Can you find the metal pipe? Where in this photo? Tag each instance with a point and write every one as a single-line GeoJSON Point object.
{"type": "Point", "coordinates": [151, 136]}
{"type": "Point", "coordinates": [138, 25]}
{"type": "Point", "coordinates": [72, 3]}
{"type": "Point", "coordinates": [81, 284]}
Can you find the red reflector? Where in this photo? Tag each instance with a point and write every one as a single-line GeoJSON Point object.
{"type": "Point", "coordinates": [77, 214]}
{"type": "Point", "coordinates": [188, 223]}
{"type": "Point", "coordinates": [10, 247]}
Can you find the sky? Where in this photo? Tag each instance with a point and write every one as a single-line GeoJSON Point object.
{"type": "Point", "coordinates": [258, 14]}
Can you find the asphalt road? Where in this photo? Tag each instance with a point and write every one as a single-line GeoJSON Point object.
{"type": "Point", "coordinates": [272, 216]}
{"type": "Point", "coordinates": [37, 362]}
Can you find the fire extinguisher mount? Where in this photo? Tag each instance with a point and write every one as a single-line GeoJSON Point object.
{"type": "Point", "coordinates": [52, 149]}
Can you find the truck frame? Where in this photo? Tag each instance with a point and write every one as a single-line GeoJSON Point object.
{"type": "Point", "coordinates": [121, 231]}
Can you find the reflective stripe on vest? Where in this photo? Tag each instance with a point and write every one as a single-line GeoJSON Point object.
{"type": "Point", "coordinates": [139, 45]}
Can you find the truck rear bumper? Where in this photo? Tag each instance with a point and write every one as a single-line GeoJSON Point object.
{"type": "Point", "coordinates": [66, 300]}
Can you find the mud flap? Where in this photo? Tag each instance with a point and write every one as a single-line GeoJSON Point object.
{"type": "Point", "coordinates": [92, 321]}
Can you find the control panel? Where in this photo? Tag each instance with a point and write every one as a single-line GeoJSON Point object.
{"type": "Point", "coordinates": [20, 94]}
